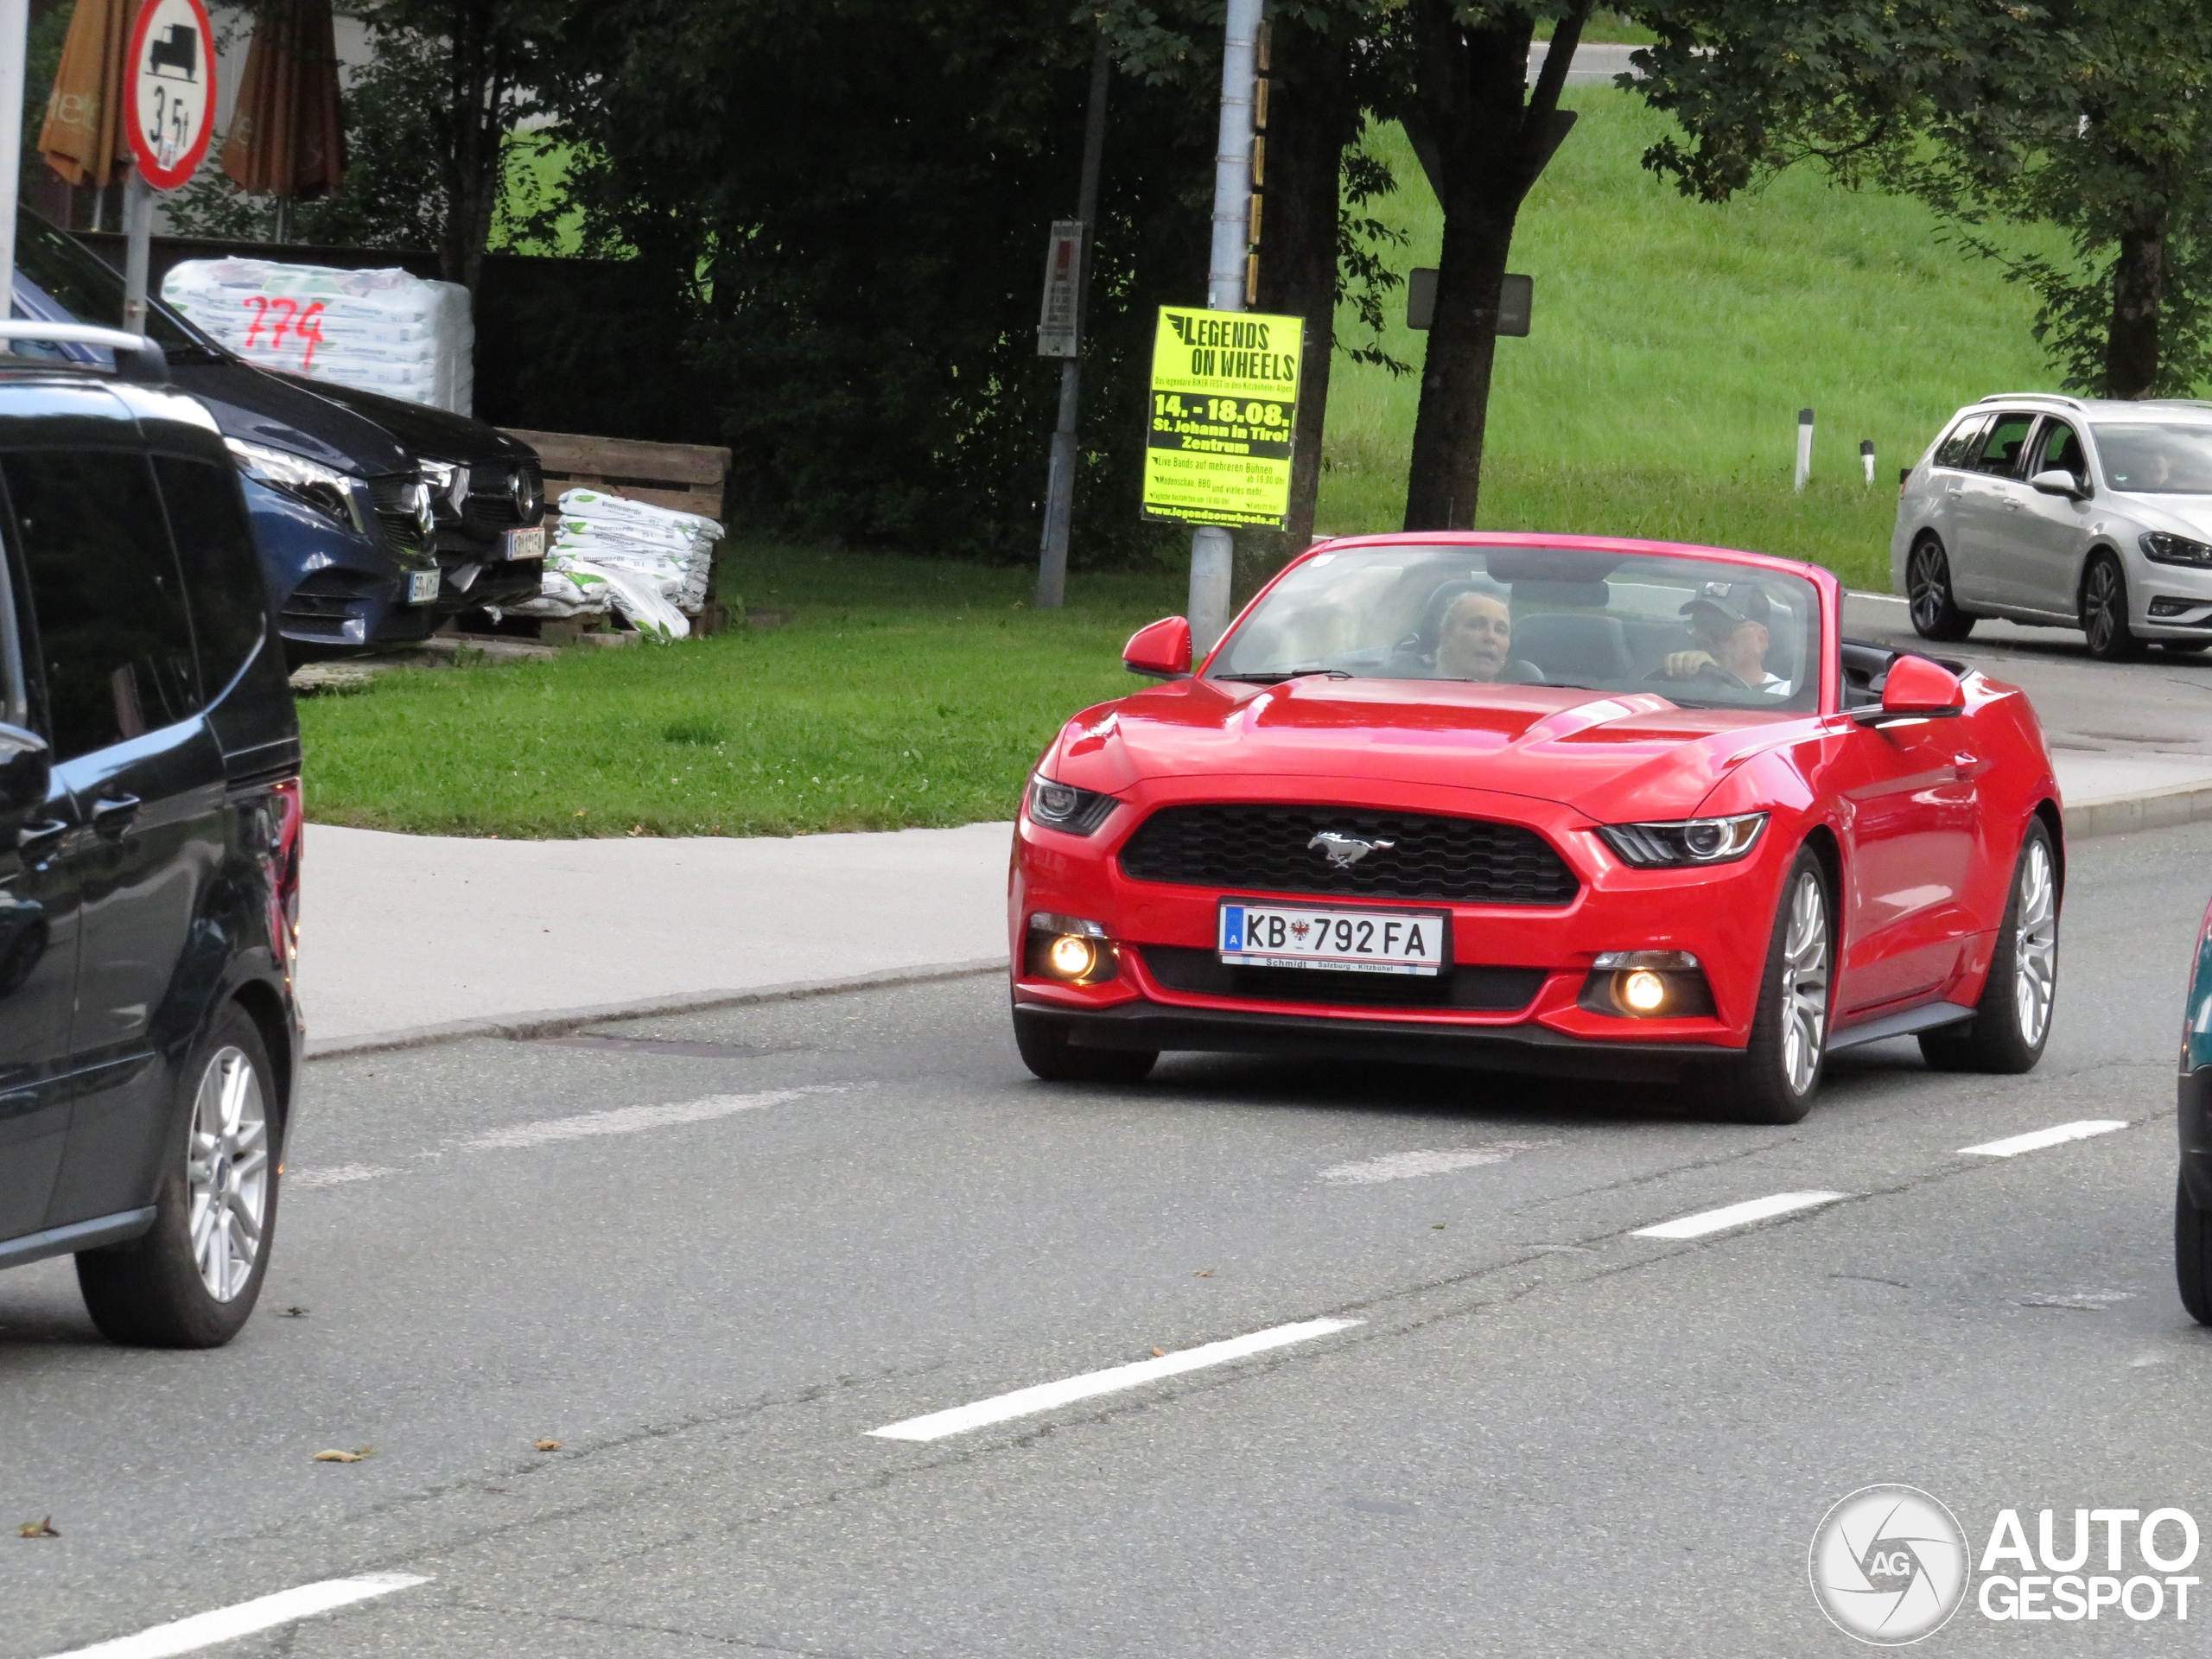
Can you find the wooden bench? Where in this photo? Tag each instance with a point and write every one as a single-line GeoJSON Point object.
{"type": "Point", "coordinates": [688, 477]}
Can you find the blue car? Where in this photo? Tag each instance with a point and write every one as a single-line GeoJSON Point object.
{"type": "Point", "coordinates": [2193, 1196]}
{"type": "Point", "coordinates": [377, 520]}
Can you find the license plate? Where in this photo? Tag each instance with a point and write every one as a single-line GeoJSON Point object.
{"type": "Point", "coordinates": [523, 543]}
{"type": "Point", "coordinates": [1343, 941]}
{"type": "Point", "coordinates": [422, 586]}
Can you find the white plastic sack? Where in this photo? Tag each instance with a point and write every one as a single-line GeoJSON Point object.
{"type": "Point", "coordinates": [383, 331]}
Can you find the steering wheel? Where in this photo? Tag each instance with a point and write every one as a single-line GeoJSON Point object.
{"type": "Point", "coordinates": [1707, 669]}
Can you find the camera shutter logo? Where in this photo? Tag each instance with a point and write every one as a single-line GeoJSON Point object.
{"type": "Point", "coordinates": [1889, 1564]}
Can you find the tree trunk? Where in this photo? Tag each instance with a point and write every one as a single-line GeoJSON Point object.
{"type": "Point", "coordinates": [1482, 144]}
{"type": "Point", "coordinates": [1312, 117]}
{"type": "Point", "coordinates": [474, 168]}
{"type": "Point", "coordinates": [2138, 287]}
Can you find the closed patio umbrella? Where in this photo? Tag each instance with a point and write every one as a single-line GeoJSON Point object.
{"type": "Point", "coordinates": [287, 134]}
{"type": "Point", "coordinates": [82, 139]}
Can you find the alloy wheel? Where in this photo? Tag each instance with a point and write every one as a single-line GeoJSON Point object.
{"type": "Point", "coordinates": [1804, 982]}
{"type": "Point", "coordinates": [2035, 943]}
{"type": "Point", "coordinates": [1926, 588]}
{"type": "Point", "coordinates": [226, 1172]}
{"type": "Point", "coordinates": [2101, 605]}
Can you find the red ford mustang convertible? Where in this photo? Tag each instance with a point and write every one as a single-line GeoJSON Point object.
{"type": "Point", "coordinates": [1609, 808]}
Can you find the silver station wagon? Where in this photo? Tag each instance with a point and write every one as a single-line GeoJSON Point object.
{"type": "Point", "coordinates": [2063, 512]}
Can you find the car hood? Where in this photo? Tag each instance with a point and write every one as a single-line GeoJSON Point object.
{"type": "Point", "coordinates": [433, 433]}
{"type": "Point", "coordinates": [1610, 755]}
{"type": "Point", "coordinates": [2177, 515]}
{"type": "Point", "coordinates": [257, 407]}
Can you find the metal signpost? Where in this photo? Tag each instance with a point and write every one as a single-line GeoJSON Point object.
{"type": "Point", "coordinates": [1224, 404]}
{"type": "Point", "coordinates": [169, 111]}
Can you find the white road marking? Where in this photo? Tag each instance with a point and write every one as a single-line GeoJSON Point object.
{"type": "Point", "coordinates": [629, 1120]}
{"type": "Point", "coordinates": [2037, 1141]}
{"type": "Point", "coordinates": [337, 1175]}
{"type": "Point", "coordinates": [228, 1624]}
{"type": "Point", "coordinates": [1405, 1165]}
{"type": "Point", "coordinates": [1023, 1403]}
{"type": "Point", "coordinates": [1736, 1215]}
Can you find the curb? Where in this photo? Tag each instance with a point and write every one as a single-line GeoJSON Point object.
{"type": "Point", "coordinates": [2156, 809]}
{"type": "Point", "coordinates": [559, 1022]}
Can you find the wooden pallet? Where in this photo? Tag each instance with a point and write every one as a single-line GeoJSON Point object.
{"type": "Point", "coordinates": [688, 477]}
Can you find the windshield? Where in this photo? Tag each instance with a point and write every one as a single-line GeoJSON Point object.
{"type": "Point", "coordinates": [2146, 459]}
{"type": "Point", "coordinates": [1704, 633]}
{"type": "Point", "coordinates": [58, 279]}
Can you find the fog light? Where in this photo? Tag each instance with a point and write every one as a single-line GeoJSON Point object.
{"type": "Point", "coordinates": [1071, 957]}
{"type": "Point", "coordinates": [1643, 991]}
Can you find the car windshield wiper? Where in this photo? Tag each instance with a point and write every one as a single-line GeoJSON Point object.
{"type": "Point", "coordinates": [1292, 674]}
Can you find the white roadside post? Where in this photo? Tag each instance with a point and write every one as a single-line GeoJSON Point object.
{"type": "Point", "coordinates": [1866, 457]}
{"type": "Point", "coordinates": [1804, 447]}
{"type": "Point", "coordinates": [1213, 550]}
{"type": "Point", "coordinates": [14, 30]}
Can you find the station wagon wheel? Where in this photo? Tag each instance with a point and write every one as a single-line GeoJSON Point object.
{"type": "Point", "coordinates": [1779, 1073]}
{"type": "Point", "coordinates": [2104, 612]}
{"type": "Point", "coordinates": [1936, 614]}
{"type": "Point", "coordinates": [2012, 1023]}
{"type": "Point", "coordinates": [192, 1279]}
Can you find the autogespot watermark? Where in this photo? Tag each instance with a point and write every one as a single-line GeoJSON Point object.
{"type": "Point", "coordinates": [1891, 1565]}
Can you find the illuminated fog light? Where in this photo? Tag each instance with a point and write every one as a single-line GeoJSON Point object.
{"type": "Point", "coordinates": [1643, 991]}
{"type": "Point", "coordinates": [1071, 957]}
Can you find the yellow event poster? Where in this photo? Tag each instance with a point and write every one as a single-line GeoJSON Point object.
{"type": "Point", "coordinates": [1224, 403]}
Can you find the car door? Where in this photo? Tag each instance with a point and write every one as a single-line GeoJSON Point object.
{"type": "Point", "coordinates": [38, 947]}
{"type": "Point", "coordinates": [2049, 534]}
{"type": "Point", "coordinates": [1985, 510]}
{"type": "Point", "coordinates": [1913, 794]}
{"type": "Point", "coordinates": [146, 776]}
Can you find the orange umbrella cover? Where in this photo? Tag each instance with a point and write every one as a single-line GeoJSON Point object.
{"type": "Point", "coordinates": [83, 139]}
{"type": "Point", "coordinates": [288, 136]}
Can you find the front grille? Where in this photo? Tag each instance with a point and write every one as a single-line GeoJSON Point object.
{"type": "Point", "coordinates": [325, 601]}
{"type": "Point", "coordinates": [393, 497]}
{"type": "Point", "coordinates": [1268, 849]}
{"type": "Point", "coordinates": [490, 505]}
{"type": "Point", "coordinates": [1202, 973]}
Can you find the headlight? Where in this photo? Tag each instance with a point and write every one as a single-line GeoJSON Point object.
{"type": "Point", "coordinates": [447, 480]}
{"type": "Point", "coordinates": [1693, 840]}
{"type": "Point", "coordinates": [2162, 549]}
{"type": "Point", "coordinates": [329, 491]}
{"type": "Point", "coordinates": [1063, 806]}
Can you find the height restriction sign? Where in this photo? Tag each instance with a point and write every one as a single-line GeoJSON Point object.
{"type": "Point", "coordinates": [1224, 404]}
{"type": "Point", "coordinates": [169, 90]}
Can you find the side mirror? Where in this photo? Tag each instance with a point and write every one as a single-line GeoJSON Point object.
{"type": "Point", "coordinates": [1916, 689]}
{"type": "Point", "coordinates": [1161, 650]}
{"type": "Point", "coordinates": [25, 771]}
{"type": "Point", "coordinates": [2055, 482]}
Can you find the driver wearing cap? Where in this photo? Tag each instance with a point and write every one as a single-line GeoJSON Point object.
{"type": "Point", "coordinates": [1728, 635]}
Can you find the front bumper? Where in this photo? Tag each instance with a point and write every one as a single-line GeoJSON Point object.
{"type": "Point", "coordinates": [1516, 997]}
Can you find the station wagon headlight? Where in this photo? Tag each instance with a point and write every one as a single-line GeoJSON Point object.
{"type": "Point", "coordinates": [325, 489]}
{"type": "Point", "coordinates": [1692, 841]}
{"type": "Point", "coordinates": [1065, 807]}
{"type": "Point", "coordinates": [2162, 549]}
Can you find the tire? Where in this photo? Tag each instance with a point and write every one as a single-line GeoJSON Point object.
{"type": "Point", "coordinates": [1779, 1073]}
{"type": "Point", "coordinates": [2104, 611]}
{"type": "Point", "coordinates": [219, 1174]}
{"type": "Point", "coordinates": [1936, 614]}
{"type": "Point", "coordinates": [2192, 1254]}
{"type": "Point", "coordinates": [1047, 1051]}
{"type": "Point", "coordinates": [2012, 1023]}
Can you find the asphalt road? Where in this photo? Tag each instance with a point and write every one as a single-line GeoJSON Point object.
{"type": "Point", "coordinates": [708, 1273]}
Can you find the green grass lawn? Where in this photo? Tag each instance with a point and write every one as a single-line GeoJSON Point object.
{"type": "Point", "coordinates": [905, 691]}
{"type": "Point", "coordinates": [1672, 346]}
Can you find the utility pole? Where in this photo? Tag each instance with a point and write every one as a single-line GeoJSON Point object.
{"type": "Point", "coordinates": [1213, 549]}
{"type": "Point", "coordinates": [1059, 485]}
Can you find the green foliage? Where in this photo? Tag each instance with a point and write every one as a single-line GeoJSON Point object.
{"type": "Point", "coordinates": [849, 203]}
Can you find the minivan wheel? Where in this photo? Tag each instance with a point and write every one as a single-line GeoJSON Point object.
{"type": "Point", "coordinates": [2192, 1254]}
{"type": "Point", "coordinates": [191, 1280]}
{"type": "Point", "coordinates": [1779, 1073]}
{"type": "Point", "coordinates": [2104, 612]}
{"type": "Point", "coordinates": [1936, 614]}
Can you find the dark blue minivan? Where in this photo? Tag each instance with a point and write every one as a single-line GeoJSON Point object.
{"type": "Point", "coordinates": [376, 519]}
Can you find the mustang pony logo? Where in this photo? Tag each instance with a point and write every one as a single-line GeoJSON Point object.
{"type": "Point", "coordinates": [1345, 851]}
